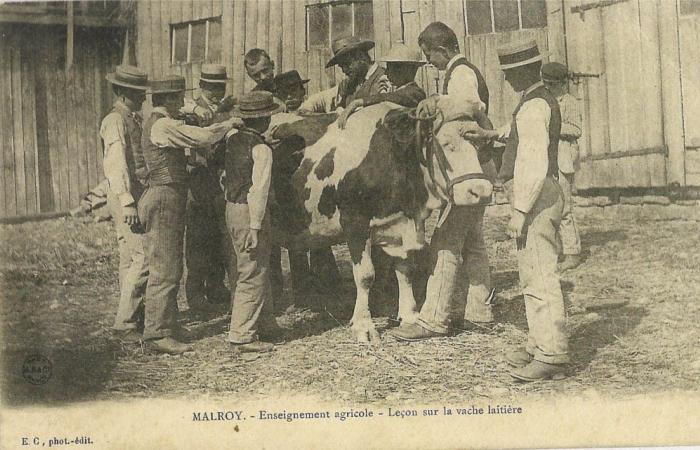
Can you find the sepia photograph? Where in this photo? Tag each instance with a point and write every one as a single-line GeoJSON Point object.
{"type": "Point", "coordinates": [317, 224]}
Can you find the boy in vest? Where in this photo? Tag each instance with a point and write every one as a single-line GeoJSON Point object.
{"type": "Point", "coordinates": [248, 177]}
{"type": "Point", "coordinates": [121, 137]}
{"type": "Point", "coordinates": [206, 238]}
{"type": "Point", "coordinates": [401, 66]}
{"type": "Point", "coordinates": [165, 143]}
{"type": "Point", "coordinates": [554, 77]}
{"type": "Point", "coordinates": [457, 248]}
{"type": "Point", "coordinates": [530, 167]}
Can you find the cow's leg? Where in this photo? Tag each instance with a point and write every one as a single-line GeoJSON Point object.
{"type": "Point", "coordinates": [408, 311]}
{"type": "Point", "coordinates": [363, 271]}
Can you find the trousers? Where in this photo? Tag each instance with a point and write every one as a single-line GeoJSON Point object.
{"type": "Point", "coordinates": [570, 238]}
{"type": "Point", "coordinates": [162, 212]}
{"type": "Point", "coordinates": [251, 299]}
{"type": "Point", "coordinates": [457, 250]}
{"type": "Point", "coordinates": [206, 238]}
{"type": "Point", "coordinates": [538, 250]}
{"type": "Point", "coordinates": [133, 270]}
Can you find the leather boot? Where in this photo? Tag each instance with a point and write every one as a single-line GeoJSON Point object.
{"type": "Point", "coordinates": [253, 347]}
{"type": "Point", "coordinates": [538, 370]}
{"type": "Point", "coordinates": [518, 357]}
{"type": "Point", "coordinates": [169, 345]}
{"type": "Point", "coordinates": [414, 332]}
{"type": "Point", "coordinates": [570, 262]}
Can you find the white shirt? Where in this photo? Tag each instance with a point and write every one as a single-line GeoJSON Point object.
{"type": "Point", "coordinates": [169, 132]}
{"type": "Point", "coordinates": [531, 161]}
{"type": "Point", "coordinates": [462, 98]}
{"type": "Point", "coordinates": [113, 133]}
{"type": "Point", "coordinates": [258, 193]}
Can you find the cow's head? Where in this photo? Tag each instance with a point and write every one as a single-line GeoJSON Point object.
{"type": "Point", "coordinates": [450, 165]}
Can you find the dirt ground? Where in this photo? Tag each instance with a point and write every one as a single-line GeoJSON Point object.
{"type": "Point", "coordinates": [634, 311]}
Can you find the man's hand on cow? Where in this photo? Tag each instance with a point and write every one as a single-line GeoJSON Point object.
{"type": "Point", "coordinates": [251, 240]}
{"type": "Point", "coordinates": [131, 216]}
{"type": "Point", "coordinates": [471, 131]}
{"type": "Point", "coordinates": [203, 113]}
{"type": "Point", "coordinates": [352, 107]}
{"type": "Point", "coordinates": [427, 107]}
{"type": "Point", "coordinates": [385, 85]}
{"type": "Point", "coordinates": [516, 224]}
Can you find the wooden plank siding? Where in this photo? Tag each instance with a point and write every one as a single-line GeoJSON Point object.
{"type": "Point", "coordinates": [623, 108]}
{"type": "Point", "coordinates": [49, 145]}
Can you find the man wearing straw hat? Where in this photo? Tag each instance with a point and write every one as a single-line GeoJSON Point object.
{"type": "Point", "coordinates": [248, 178]}
{"type": "Point", "coordinates": [165, 143]}
{"type": "Point", "coordinates": [206, 238]}
{"type": "Point", "coordinates": [530, 168]}
{"type": "Point", "coordinates": [121, 137]}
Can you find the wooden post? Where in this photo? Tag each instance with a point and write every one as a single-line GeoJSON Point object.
{"type": "Point", "coordinates": [556, 31]}
{"type": "Point", "coordinates": [125, 50]}
{"type": "Point", "coordinates": [671, 91]}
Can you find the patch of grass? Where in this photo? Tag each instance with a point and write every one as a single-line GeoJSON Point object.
{"type": "Point", "coordinates": [633, 327]}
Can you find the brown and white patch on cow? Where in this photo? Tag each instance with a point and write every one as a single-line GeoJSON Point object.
{"type": "Point", "coordinates": [330, 159]}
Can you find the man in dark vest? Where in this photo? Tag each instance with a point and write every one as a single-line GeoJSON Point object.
{"type": "Point", "coordinates": [121, 138]}
{"type": "Point", "coordinates": [166, 142]}
{"type": "Point", "coordinates": [529, 173]}
{"type": "Point", "coordinates": [458, 253]}
{"type": "Point", "coordinates": [206, 239]}
{"type": "Point", "coordinates": [248, 178]}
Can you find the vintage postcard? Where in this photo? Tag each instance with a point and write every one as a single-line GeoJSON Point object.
{"type": "Point", "coordinates": [312, 224]}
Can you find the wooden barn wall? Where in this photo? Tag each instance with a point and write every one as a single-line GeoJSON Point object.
{"type": "Point", "coordinates": [623, 144]}
{"type": "Point", "coordinates": [689, 34]}
{"type": "Point", "coordinates": [50, 150]}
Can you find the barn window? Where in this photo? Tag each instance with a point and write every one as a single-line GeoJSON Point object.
{"type": "Point", "coordinates": [497, 16]}
{"type": "Point", "coordinates": [328, 21]}
{"type": "Point", "coordinates": [198, 41]}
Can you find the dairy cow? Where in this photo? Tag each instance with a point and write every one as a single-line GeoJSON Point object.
{"type": "Point", "coordinates": [372, 183]}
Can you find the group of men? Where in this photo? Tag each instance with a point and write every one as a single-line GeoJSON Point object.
{"type": "Point", "coordinates": [165, 178]}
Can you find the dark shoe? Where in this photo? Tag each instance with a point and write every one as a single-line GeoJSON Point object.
{"type": "Point", "coordinates": [518, 357]}
{"type": "Point", "coordinates": [254, 347]}
{"type": "Point", "coordinates": [538, 370]}
{"type": "Point", "coordinates": [130, 336]}
{"type": "Point", "coordinates": [414, 332]}
{"type": "Point", "coordinates": [274, 335]}
{"type": "Point", "coordinates": [570, 262]}
{"type": "Point", "coordinates": [169, 345]}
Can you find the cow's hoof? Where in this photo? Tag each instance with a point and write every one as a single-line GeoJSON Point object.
{"type": "Point", "coordinates": [365, 333]}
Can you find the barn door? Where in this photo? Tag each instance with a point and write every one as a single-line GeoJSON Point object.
{"type": "Point", "coordinates": [614, 48]}
{"type": "Point", "coordinates": [689, 36]}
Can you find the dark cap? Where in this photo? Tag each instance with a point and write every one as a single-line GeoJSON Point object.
{"type": "Point", "coordinates": [554, 72]}
{"type": "Point", "coordinates": [289, 78]}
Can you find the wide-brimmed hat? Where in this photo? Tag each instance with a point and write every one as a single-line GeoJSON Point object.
{"type": "Point", "coordinates": [518, 54]}
{"type": "Point", "coordinates": [257, 104]}
{"type": "Point", "coordinates": [289, 78]}
{"type": "Point", "coordinates": [129, 76]}
{"type": "Point", "coordinates": [342, 46]}
{"type": "Point", "coordinates": [401, 53]}
{"type": "Point", "coordinates": [167, 85]}
{"type": "Point", "coordinates": [554, 72]}
{"type": "Point", "coordinates": [213, 73]}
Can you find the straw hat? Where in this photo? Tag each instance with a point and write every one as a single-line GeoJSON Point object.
{"type": "Point", "coordinates": [401, 53]}
{"type": "Point", "coordinates": [129, 76]}
{"type": "Point", "coordinates": [518, 54]}
{"type": "Point", "coordinates": [257, 104]}
{"type": "Point", "coordinates": [213, 73]}
{"type": "Point", "coordinates": [167, 85]}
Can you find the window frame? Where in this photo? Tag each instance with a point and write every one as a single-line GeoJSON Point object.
{"type": "Point", "coordinates": [330, 4]}
{"type": "Point", "coordinates": [493, 19]}
{"type": "Point", "coordinates": [173, 26]}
